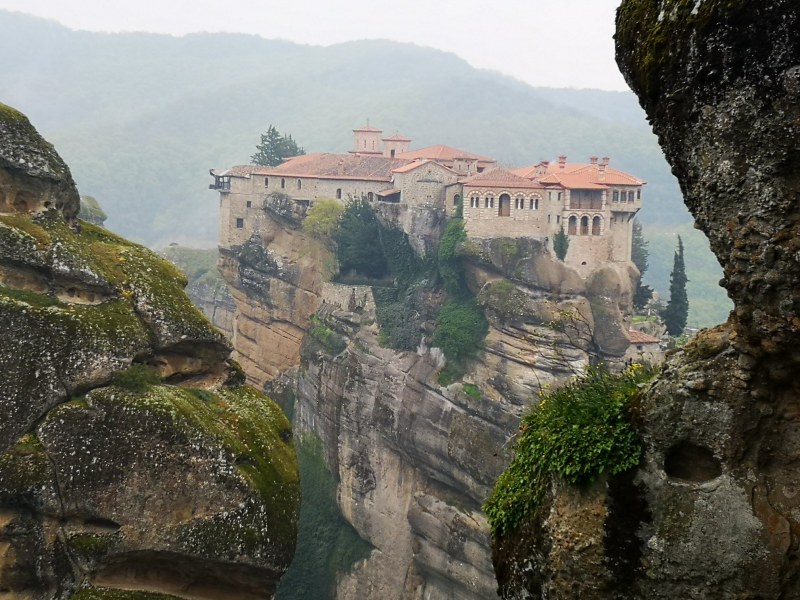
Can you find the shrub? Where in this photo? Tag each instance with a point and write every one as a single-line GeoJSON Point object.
{"type": "Point", "coordinates": [460, 329]}
{"type": "Point", "coordinates": [576, 433]}
{"type": "Point", "coordinates": [357, 241]}
{"type": "Point", "coordinates": [322, 220]}
{"type": "Point", "coordinates": [137, 378]}
{"type": "Point", "coordinates": [330, 340]}
{"type": "Point", "coordinates": [451, 270]}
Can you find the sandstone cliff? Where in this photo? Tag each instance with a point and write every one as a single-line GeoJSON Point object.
{"type": "Point", "coordinates": [712, 510]}
{"type": "Point", "coordinates": [414, 460]}
{"type": "Point", "coordinates": [132, 457]}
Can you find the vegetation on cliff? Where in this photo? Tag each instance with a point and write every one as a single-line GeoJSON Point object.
{"type": "Point", "coordinates": [576, 433]}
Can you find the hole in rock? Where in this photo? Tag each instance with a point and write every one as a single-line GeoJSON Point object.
{"type": "Point", "coordinates": [691, 462]}
{"type": "Point", "coordinates": [102, 523]}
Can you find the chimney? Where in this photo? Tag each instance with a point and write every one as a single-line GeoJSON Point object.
{"type": "Point", "coordinates": [604, 161]}
{"type": "Point", "coordinates": [602, 168]}
{"type": "Point", "coordinates": [593, 160]}
{"type": "Point", "coordinates": [562, 160]}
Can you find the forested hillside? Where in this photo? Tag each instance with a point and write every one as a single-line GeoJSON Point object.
{"type": "Point", "coordinates": [141, 118]}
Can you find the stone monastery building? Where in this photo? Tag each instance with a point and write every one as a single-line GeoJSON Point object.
{"type": "Point", "coordinates": [593, 202]}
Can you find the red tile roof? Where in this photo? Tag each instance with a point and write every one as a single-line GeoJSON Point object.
{"type": "Point", "coordinates": [334, 166]}
{"type": "Point", "coordinates": [441, 152]}
{"type": "Point", "coordinates": [578, 175]}
{"type": "Point", "coordinates": [500, 178]}
{"type": "Point", "coordinates": [396, 138]}
{"type": "Point", "coordinates": [389, 192]}
{"type": "Point", "coordinates": [638, 337]}
{"type": "Point", "coordinates": [418, 163]}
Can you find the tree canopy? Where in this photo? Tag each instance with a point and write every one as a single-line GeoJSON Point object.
{"type": "Point", "coordinates": [640, 257]}
{"type": "Point", "coordinates": [677, 310]}
{"type": "Point", "coordinates": [275, 148]}
{"type": "Point", "coordinates": [561, 244]}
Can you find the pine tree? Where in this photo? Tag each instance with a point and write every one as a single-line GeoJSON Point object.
{"type": "Point", "coordinates": [275, 148]}
{"type": "Point", "coordinates": [639, 256]}
{"type": "Point", "coordinates": [677, 310]}
{"type": "Point", "coordinates": [561, 244]}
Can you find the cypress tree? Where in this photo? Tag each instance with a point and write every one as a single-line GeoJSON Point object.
{"type": "Point", "coordinates": [677, 310]}
{"type": "Point", "coordinates": [639, 256]}
{"type": "Point", "coordinates": [561, 244]}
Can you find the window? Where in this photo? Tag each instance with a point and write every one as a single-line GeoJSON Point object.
{"type": "Point", "coordinates": [239, 223]}
{"type": "Point", "coordinates": [616, 196]}
{"type": "Point", "coordinates": [584, 225]}
{"type": "Point", "coordinates": [249, 204]}
{"type": "Point", "coordinates": [548, 218]}
{"type": "Point", "coordinates": [638, 194]}
{"type": "Point", "coordinates": [630, 197]}
{"type": "Point", "coordinates": [519, 203]}
{"type": "Point", "coordinates": [222, 183]}
{"type": "Point", "coordinates": [456, 200]}
{"type": "Point", "coordinates": [474, 202]}
{"type": "Point", "coordinates": [338, 193]}
{"type": "Point", "coordinates": [535, 203]}
{"type": "Point", "coordinates": [596, 223]}
{"type": "Point", "coordinates": [558, 218]}
{"type": "Point", "coordinates": [266, 181]}
{"type": "Point", "coordinates": [559, 196]}
{"type": "Point", "coordinates": [299, 184]}
{"type": "Point", "coordinates": [572, 227]}
{"type": "Point", "coordinates": [283, 183]}
{"type": "Point", "coordinates": [391, 152]}
{"type": "Point", "coordinates": [369, 196]}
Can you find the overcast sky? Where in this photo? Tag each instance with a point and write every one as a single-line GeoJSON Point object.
{"type": "Point", "coordinates": [555, 43]}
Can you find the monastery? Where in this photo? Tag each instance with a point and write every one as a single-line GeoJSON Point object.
{"type": "Point", "coordinates": [593, 202]}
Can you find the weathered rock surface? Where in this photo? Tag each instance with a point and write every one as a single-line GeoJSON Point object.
{"type": "Point", "coordinates": [713, 511]}
{"type": "Point", "coordinates": [132, 457]}
{"type": "Point", "coordinates": [415, 460]}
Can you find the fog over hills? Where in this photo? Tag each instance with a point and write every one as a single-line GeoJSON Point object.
{"type": "Point", "coordinates": [140, 118]}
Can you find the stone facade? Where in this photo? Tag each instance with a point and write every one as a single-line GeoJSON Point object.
{"type": "Point", "coordinates": [593, 203]}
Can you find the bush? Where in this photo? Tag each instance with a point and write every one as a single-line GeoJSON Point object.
{"type": "Point", "coordinates": [137, 378]}
{"type": "Point", "coordinates": [357, 241]}
{"type": "Point", "coordinates": [576, 433]}
{"type": "Point", "coordinates": [322, 220]}
{"type": "Point", "coordinates": [451, 270]}
{"type": "Point", "coordinates": [330, 340]}
{"type": "Point", "coordinates": [460, 329]}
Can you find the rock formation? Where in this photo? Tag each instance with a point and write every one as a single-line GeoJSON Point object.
{"type": "Point", "coordinates": [132, 457]}
{"type": "Point", "coordinates": [712, 511]}
{"type": "Point", "coordinates": [414, 459]}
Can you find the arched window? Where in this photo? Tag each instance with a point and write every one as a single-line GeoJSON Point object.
{"type": "Point", "coordinates": [283, 183]}
{"type": "Point", "coordinates": [519, 203]}
{"type": "Point", "coordinates": [299, 184]}
{"type": "Point", "coordinates": [572, 227]}
{"type": "Point", "coordinates": [596, 223]}
{"type": "Point", "coordinates": [535, 202]}
{"type": "Point", "coordinates": [369, 196]}
{"type": "Point", "coordinates": [584, 225]}
{"type": "Point", "coordinates": [474, 201]}
{"type": "Point", "coordinates": [504, 205]}
{"type": "Point", "coordinates": [488, 202]}
{"type": "Point", "coordinates": [456, 199]}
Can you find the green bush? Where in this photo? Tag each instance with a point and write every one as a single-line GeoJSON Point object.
{"type": "Point", "coordinates": [460, 329]}
{"type": "Point", "coordinates": [322, 219]}
{"type": "Point", "coordinates": [576, 433]}
{"type": "Point", "coordinates": [451, 269]}
{"type": "Point", "coordinates": [330, 340]}
{"type": "Point", "coordinates": [357, 241]}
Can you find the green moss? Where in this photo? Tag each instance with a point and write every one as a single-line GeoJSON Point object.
{"type": "Point", "coordinates": [329, 339]}
{"type": "Point", "coordinates": [137, 378]}
{"type": "Point", "coordinates": [94, 593]}
{"type": "Point", "coordinates": [25, 225]}
{"type": "Point", "coordinates": [11, 114]}
{"type": "Point", "coordinates": [472, 390]}
{"type": "Point", "coordinates": [28, 297]}
{"type": "Point", "coordinates": [576, 433]}
{"type": "Point", "coordinates": [649, 31]}
{"type": "Point", "coordinates": [90, 545]}
{"type": "Point", "coordinates": [24, 469]}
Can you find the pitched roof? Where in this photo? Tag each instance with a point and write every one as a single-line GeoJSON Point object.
{"type": "Point", "coordinates": [334, 166]}
{"type": "Point", "coordinates": [419, 163]}
{"type": "Point", "coordinates": [397, 137]}
{"type": "Point", "coordinates": [500, 178]}
{"type": "Point", "coordinates": [638, 337]}
{"type": "Point", "coordinates": [578, 175]}
{"type": "Point", "coordinates": [440, 152]}
{"type": "Point", "coordinates": [389, 192]}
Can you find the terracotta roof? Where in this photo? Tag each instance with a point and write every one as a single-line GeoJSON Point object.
{"type": "Point", "coordinates": [638, 337]}
{"type": "Point", "coordinates": [418, 163]}
{"type": "Point", "coordinates": [500, 178]}
{"type": "Point", "coordinates": [237, 171]}
{"type": "Point", "coordinates": [573, 181]}
{"type": "Point", "coordinates": [389, 192]}
{"type": "Point", "coordinates": [441, 152]}
{"type": "Point", "coordinates": [396, 138]}
{"type": "Point", "coordinates": [335, 166]}
{"type": "Point", "coordinates": [578, 175]}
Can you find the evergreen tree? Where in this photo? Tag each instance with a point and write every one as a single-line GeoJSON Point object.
{"type": "Point", "coordinates": [677, 310]}
{"type": "Point", "coordinates": [358, 241]}
{"type": "Point", "coordinates": [275, 148]}
{"type": "Point", "coordinates": [639, 256]}
{"type": "Point", "coordinates": [561, 244]}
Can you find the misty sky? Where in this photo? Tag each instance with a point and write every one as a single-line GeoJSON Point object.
{"type": "Point", "coordinates": [555, 43]}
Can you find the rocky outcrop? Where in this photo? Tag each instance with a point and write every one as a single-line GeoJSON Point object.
{"type": "Point", "coordinates": [132, 457]}
{"type": "Point", "coordinates": [414, 459]}
{"type": "Point", "coordinates": [715, 505]}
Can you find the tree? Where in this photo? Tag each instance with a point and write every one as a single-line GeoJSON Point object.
{"type": "Point", "coordinates": [275, 148]}
{"type": "Point", "coordinates": [358, 241]}
{"type": "Point", "coordinates": [639, 256]}
{"type": "Point", "coordinates": [677, 310]}
{"type": "Point", "coordinates": [561, 244]}
{"type": "Point", "coordinates": [322, 219]}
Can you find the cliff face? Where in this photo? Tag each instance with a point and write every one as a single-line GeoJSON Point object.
{"type": "Point", "coordinates": [132, 457]}
{"type": "Point", "coordinates": [712, 510]}
{"type": "Point", "coordinates": [415, 460]}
